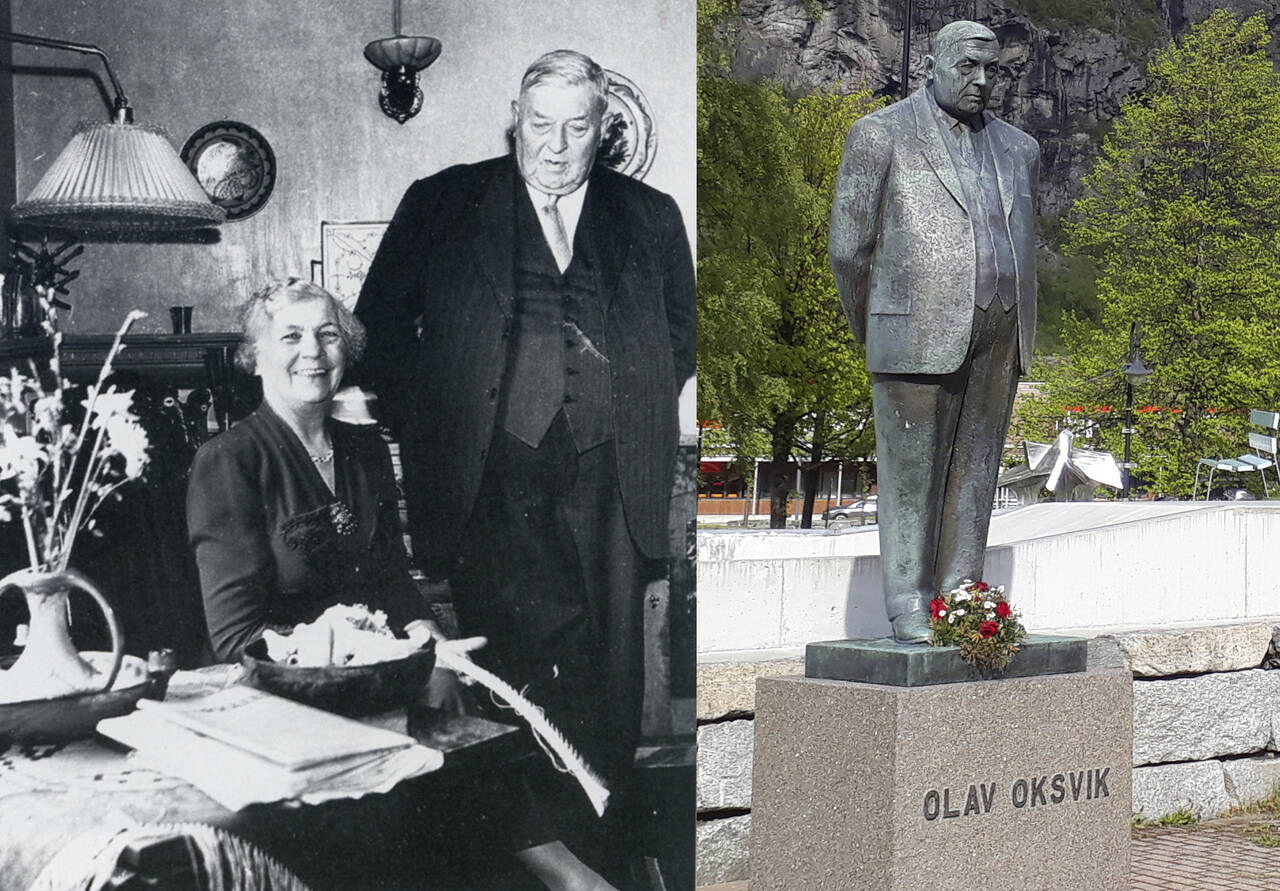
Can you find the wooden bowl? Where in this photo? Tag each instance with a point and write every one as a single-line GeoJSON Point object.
{"type": "Point", "coordinates": [351, 690]}
{"type": "Point", "coordinates": [65, 718]}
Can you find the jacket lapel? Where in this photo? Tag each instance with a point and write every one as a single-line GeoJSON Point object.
{"type": "Point", "coordinates": [604, 222]}
{"type": "Point", "coordinates": [933, 148]}
{"type": "Point", "coordinates": [494, 236]}
{"type": "Point", "coordinates": [1005, 170]}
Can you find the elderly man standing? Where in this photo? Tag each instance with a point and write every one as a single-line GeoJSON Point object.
{"type": "Point", "coordinates": [933, 249]}
{"type": "Point", "coordinates": [537, 414]}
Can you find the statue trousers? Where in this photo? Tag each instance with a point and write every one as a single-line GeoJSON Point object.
{"type": "Point", "coordinates": [938, 444]}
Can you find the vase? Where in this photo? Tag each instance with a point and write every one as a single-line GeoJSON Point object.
{"type": "Point", "coordinates": [50, 666]}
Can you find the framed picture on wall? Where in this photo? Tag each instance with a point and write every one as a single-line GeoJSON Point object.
{"type": "Point", "coordinates": [346, 250]}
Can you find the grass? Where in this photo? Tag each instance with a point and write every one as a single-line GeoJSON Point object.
{"type": "Point", "coordinates": [1183, 816]}
{"type": "Point", "coordinates": [1268, 805]}
{"type": "Point", "coordinates": [1265, 836]}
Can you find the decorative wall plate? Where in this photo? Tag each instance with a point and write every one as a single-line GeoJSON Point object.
{"type": "Point", "coordinates": [233, 164]}
{"type": "Point", "coordinates": [630, 138]}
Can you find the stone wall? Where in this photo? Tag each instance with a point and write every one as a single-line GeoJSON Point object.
{"type": "Point", "coordinates": [1206, 729]}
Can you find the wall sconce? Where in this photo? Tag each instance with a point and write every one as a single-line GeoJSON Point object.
{"type": "Point", "coordinates": [400, 59]}
{"type": "Point", "coordinates": [114, 177]}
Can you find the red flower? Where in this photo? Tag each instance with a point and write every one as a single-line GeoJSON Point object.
{"type": "Point", "coordinates": [988, 629]}
{"type": "Point", "coordinates": [981, 586]}
{"type": "Point", "coordinates": [936, 606]}
{"type": "Point", "coordinates": [1003, 610]}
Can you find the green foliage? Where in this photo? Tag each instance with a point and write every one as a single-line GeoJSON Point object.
{"type": "Point", "coordinates": [1183, 816]}
{"type": "Point", "coordinates": [1068, 293]}
{"type": "Point", "coordinates": [777, 364]}
{"type": "Point", "coordinates": [1181, 214]}
{"type": "Point", "coordinates": [714, 37]}
{"type": "Point", "coordinates": [1268, 805]}
{"type": "Point", "coordinates": [1265, 836]}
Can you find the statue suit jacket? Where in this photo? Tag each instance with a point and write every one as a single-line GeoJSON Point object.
{"type": "Point", "coordinates": [447, 262]}
{"type": "Point", "coordinates": [902, 246]}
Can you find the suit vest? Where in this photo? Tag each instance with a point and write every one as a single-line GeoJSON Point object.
{"type": "Point", "coordinates": [996, 276]}
{"type": "Point", "coordinates": [556, 359]}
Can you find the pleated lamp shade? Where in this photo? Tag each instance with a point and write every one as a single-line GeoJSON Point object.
{"type": "Point", "coordinates": [122, 178]}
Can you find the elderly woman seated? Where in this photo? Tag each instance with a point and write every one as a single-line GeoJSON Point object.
{"type": "Point", "coordinates": [291, 511]}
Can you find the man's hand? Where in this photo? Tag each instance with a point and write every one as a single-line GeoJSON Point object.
{"type": "Point", "coordinates": [445, 689]}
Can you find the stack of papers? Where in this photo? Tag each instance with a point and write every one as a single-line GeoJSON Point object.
{"type": "Point", "coordinates": [241, 746]}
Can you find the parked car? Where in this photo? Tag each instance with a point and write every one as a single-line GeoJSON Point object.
{"type": "Point", "coordinates": [858, 509]}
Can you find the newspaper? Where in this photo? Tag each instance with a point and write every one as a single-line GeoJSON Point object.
{"type": "Point", "coordinates": [241, 746]}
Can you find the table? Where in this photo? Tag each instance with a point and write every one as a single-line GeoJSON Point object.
{"type": "Point", "coordinates": [407, 838]}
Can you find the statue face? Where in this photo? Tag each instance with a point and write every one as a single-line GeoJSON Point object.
{"type": "Point", "coordinates": [963, 76]}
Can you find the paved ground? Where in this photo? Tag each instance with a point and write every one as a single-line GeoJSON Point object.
{"type": "Point", "coordinates": [1216, 855]}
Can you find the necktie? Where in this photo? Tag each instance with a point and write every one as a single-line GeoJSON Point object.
{"type": "Point", "coordinates": [557, 239]}
{"type": "Point", "coordinates": [967, 152]}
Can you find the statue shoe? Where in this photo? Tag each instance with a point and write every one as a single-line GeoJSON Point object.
{"type": "Point", "coordinates": [911, 628]}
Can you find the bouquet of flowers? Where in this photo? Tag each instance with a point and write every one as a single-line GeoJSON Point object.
{"type": "Point", "coordinates": [979, 620]}
{"type": "Point", "coordinates": [54, 474]}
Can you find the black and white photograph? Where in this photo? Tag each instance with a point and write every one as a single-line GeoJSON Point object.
{"type": "Point", "coordinates": [347, 445]}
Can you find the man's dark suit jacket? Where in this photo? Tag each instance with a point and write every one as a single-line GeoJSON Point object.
{"type": "Point", "coordinates": [447, 260]}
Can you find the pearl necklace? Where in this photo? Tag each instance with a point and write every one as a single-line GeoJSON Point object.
{"type": "Point", "coordinates": [321, 459]}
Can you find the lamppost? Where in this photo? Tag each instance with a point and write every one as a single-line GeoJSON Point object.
{"type": "Point", "coordinates": [1135, 373]}
{"type": "Point", "coordinates": [906, 51]}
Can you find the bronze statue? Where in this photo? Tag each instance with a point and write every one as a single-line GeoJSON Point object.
{"type": "Point", "coordinates": [933, 249]}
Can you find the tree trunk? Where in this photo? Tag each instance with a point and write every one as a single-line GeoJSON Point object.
{"type": "Point", "coordinates": [809, 477]}
{"type": "Point", "coordinates": [780, 475]}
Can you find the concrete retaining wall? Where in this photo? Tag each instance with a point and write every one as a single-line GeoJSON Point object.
{"type": "Point", "coordinates": [1067, 567]}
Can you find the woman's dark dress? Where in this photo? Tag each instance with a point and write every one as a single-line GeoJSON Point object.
{"type": "Point", "coordinates": [275, 547]}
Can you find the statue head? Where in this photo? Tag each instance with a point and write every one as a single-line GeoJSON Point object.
{"type": "Point", "coordinates": [962, 72]}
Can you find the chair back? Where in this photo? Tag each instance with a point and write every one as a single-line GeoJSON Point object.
{"type": "Point", "coordinates": [1263, 443]}
{"type": "Point", "coordinates": [1269, 419]}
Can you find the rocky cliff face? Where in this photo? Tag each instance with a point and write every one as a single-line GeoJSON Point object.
{"type": "Point", "coordinates": [1062, 85]}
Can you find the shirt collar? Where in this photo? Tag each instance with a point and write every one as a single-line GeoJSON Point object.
{"type": "Point", "coordinates": [950, 123]}
{"type": "Point", "coordinates": [570, 206]}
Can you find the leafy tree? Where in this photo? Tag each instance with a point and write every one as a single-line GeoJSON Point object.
{"type": "Point", "coordinates": [777, 365]}
{"type": "Point", "coordinates": [1182, 216]}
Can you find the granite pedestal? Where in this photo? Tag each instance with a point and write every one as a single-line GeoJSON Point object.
{"type": "Point", "coordinates": [999, 784]}
{"type": "Point", "coordinates": [885, 661]}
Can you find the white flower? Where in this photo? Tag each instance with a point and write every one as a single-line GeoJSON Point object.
{"type": "Point", "coordinates": [951, 619]}
{"type": "Point", "coordinates": [962, 596]}
{"type": "Point", "coordinates": [110, 405]}
{"type": "Point", "coordinates": [126, 438]}
{"type": "Point", "coordinates": [21, 456]}
{"type": "Point", "coordinates": [991, 616]}
{"type": "Point", "coordinates": [958, 613]}
{"type": "Point", "coordinates": [988, 604]}
{"type": "Point", "coordinates": [941, 613]}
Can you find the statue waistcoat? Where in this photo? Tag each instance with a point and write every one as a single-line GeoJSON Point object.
{"type": "Point", "coordinates": [556, 360]}
{"type": "Point", "coordinates": [996, 275]}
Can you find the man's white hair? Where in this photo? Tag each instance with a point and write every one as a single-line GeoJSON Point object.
{"type": "Point", "coordinates": [570, 68]}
